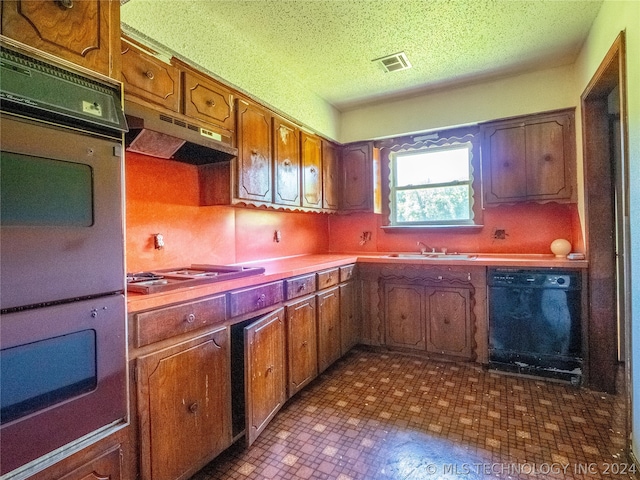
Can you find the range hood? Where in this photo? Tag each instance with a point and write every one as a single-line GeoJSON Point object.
{"type": "Point", "coordinates": [173, 136]}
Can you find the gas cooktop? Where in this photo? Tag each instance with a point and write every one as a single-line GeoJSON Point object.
{"type": "Point", "coordinates": [172, 278]}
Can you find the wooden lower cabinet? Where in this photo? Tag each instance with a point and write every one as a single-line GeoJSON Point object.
{"type": "Point", "coordinates": [106, 466]}
{"type": "Point", "coordinates": [184, 403]}
{"type": "Point", "coordinates": [448, 321]}
{"type": "Point", "coordinates": [302, 347]}
{"type": "Point", "coordinates": [430, 318]}
{"type": "Point", "coordinates": [264, 372]}
{"type": "Point", "coordinates": [350, 322]}
{"type": "Point", "coordinates": [329, 329]}
{"type": "Point", "coordinates": [404, 316]}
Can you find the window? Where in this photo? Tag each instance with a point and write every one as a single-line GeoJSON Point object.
{"type": "Point", "coordinates": [432, 183]}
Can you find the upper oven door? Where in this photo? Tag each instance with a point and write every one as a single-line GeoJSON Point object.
{"type": "Point", "coordinates": [60, 215]}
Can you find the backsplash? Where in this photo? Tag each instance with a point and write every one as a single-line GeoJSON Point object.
{"type": "Point", "coordinates": [523, 228]}
{"type": "Point", "coordinates": [162, 197]}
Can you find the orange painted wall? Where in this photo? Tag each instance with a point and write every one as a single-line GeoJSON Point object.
{"type": "Point", "coordinates": [162, 197]}
{"type": "Point", "coordinates": [530, 228]}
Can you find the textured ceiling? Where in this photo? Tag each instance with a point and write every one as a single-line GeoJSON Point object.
{"type": "Point", "coordinates": [327, 45]}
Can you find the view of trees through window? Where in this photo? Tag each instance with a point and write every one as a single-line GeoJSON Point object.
{"type": "Point", "coordinates": [432, 185]}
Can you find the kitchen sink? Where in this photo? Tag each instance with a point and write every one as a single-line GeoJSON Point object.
{"type": "Point", "coordinates": [172, 278]}
{"type": "Point", "coordinates": [434, 256]}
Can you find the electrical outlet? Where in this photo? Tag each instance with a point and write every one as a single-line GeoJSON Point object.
{"type": "Point", "coordinates": [500, 234]}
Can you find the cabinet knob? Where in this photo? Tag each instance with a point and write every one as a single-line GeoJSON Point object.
{"type": "Point", "coordinates": [210, 103]}
{"type": "Point", "coordinates": [149, 74]}
{"type": "Point", "coordinates": [191, 318]}
{"type": "Point", "coordinates": [305, 343]}
{"type": "Point", "coordinates": [287, 163]}
{"type": "Point", "coordinates": [447, 321]}
{"type": "Point", "coordinates": [312, 170]}
{"type": "Point", "coordinates": [269, 370]}
{"type": "Point", "coordinates": [193, 408]}
{"type": "Point", "coordinates": [261, 299]}
{"type": "Point", "coordinates": [302, 286]}
{"type": "Point", "coordinates": [548, 158]}
{"type": "Point", "coordinates": [65, 3]}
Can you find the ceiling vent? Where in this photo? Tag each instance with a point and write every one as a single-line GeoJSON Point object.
{"type": "Point", "coordinates": [393, 63]}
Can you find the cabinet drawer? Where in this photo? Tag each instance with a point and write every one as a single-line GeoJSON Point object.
{"type": "Point", "coordinates": [149, 78]}
{"type": "Point", "coordinates": [328, 278]}
{"type": "Point", "coordinates": [255, 298]}
{"type": "Point", "coordinates": [299, 286]}
{"type": "Point", "coordinates": [346, 272]}
{"type": "Point", "coordinates": [208, 101]}
{"type": "Point", "coordinates": [156, 325]}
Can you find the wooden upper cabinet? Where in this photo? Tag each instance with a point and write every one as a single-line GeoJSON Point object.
{"type": "Point", "coordinates": [86, 33]}
{"type": "Point", "coordinates": [208, 100]}
{"type": "Point", "coordinates": [149, 78]}
{"type": "Point", "coordinates": [253, 170]}
{"type": "Point", "coordinates": [311, 148]}
{"type": "Point", "coordinates": [286, 161]}
{"type": "Point", "coordinates": [529, 158]}
{"type": "Point", "coordinates": [330, 175]}
{"type": "Point", "coordinates": [357, 177]}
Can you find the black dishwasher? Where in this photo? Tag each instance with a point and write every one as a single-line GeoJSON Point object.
{"type": "Point", "coordinates": [535, 322]}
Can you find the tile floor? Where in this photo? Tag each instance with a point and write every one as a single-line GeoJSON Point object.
{"type": "Point", "coordinates": [381, 415]}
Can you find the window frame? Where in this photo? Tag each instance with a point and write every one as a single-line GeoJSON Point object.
{"type": "Point", "coordinates": [389, 148]}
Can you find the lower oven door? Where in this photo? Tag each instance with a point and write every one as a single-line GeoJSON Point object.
{"type": "Point", "coordinates": [62, 376]}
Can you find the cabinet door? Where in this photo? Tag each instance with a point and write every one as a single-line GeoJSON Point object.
{"type": "Point", "coordinates": [149, 78]}
{"type": "Point", "coordinates": [253, 170]}
{"type": "Point", "coordinates": [301, 343]}
{"type": "Point", "coordinates": [348, 318]}
{"type": "Point", "coordinates": [547, 174]}
{"type": "Point", "coordinates": [330, 176]}
{"type": "Point", "coordinates": [286, 152]}
{"type": "Point", "coordinates": [264, 372]}
{"type": "Point", "coordinates": [208, 101]}
{"type": "Point", "coordinates": [86, 32]}
{"type": "Point", "coordinates": [329, 342]}
{"type": "Point", "coordinates": [357, 177]}
{"type": "Point", "coordinates": [449, 324]}
{"type": "Point", "coordinates": [505, 149]}
{"type": "Point", "coordinates": [106, 466]}
{"type": "Point", "coordinates": [404, 316]}
{"type": "Point", "coordinates": [311, 170]}
{"type": "Point", "coordinates": [184, 406]}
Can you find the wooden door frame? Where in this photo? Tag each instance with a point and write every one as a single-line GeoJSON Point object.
{"type": "Point", "coordinates": [599, 190]}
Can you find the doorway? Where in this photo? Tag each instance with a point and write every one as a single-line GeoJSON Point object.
{"type": "Point", "coordinates": [604, 125]}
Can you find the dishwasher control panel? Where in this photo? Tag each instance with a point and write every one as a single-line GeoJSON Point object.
{"type": "Point", "coordinates": [534, 278]}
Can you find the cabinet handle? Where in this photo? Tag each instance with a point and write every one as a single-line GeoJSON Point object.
{"type": "Point", "coordinates": [269, 370]}
{"type": "Point", "coordinates": [446, 321]}
{"type": "Point", "coordinates": [65, 4]}
{"type": "Point", "coordinates": [312, 170]}
{"type": "Point", "coordinates": [305, 343]}
{"type": "Point", "coordinates": [547, 158]}
{"type": "Point", "coordinates": [287, 163]}
{"type": "Point", "coordinates": [261, 300]}
{"type": "Point", "coordinates": [193, 408]}
{"type": "Point", "coordinates": [302, 287]}
{"type": "Point", "coordinates": [149, 74]}
{"type": "Point", "coordinates": [191, 318]}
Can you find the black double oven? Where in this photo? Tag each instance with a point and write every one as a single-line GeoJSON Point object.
{"type": "Point", "coordinates": [62, 280]}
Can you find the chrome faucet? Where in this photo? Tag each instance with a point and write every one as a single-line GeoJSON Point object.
{"type": "Point", "coordinates": [424, 248]}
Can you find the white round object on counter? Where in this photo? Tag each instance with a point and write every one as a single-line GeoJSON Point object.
{"type": "Point", "coordinates": [560, 247]}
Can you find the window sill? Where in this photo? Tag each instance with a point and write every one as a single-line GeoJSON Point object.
{"type": "Point", "coordinates": [414, 228]}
